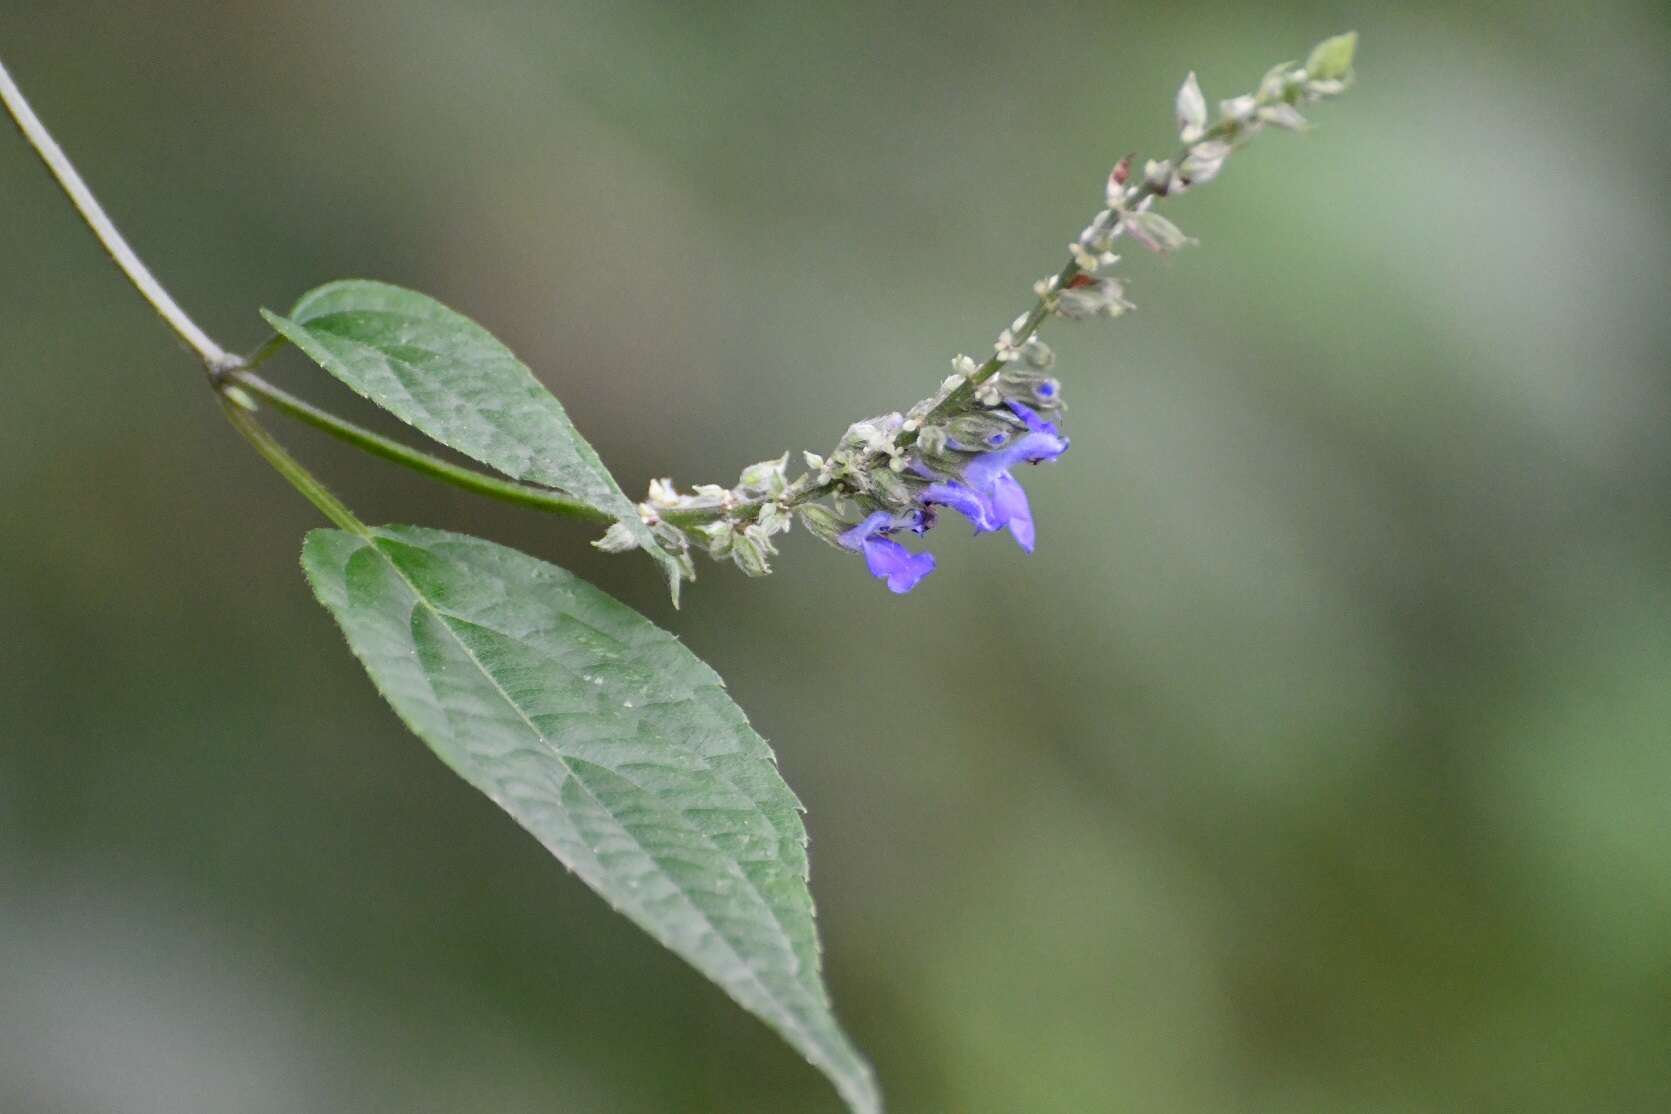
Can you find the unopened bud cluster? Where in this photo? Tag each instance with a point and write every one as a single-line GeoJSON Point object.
{"type": "Point", "coordinates": [958, 448]}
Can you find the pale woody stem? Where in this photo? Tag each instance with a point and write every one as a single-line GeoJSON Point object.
{"type": "Point", "coordinates": [214, 357]}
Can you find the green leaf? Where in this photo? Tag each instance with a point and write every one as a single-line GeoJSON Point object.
{"type": "Point", "coordinates": [1331, 59]}
{"type": "Point", "coordinates": [445, 375]}
{"type": "Point", "coordinates": [610, 742]}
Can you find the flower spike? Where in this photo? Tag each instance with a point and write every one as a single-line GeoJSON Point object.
{"type": "Point", "coordinates": [959, 447]}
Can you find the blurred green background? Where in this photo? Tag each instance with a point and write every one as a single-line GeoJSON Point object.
{"type": "Point", "coordinates": [1318, 760]}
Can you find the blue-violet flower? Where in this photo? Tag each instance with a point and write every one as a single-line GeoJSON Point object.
{"type": "Point", "coordinates": [887, 559]}
{"type": "Point", "coordinates": [987, 494]}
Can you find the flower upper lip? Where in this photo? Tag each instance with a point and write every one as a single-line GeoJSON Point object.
{"type": "Point", "coordinates": [987, 494]}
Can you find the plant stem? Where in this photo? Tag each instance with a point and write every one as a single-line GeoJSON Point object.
{"type": "Point", "coordinates": [225, 366]}
{"type": "Point", "coordinates": [427, 464]}
{"type": "Point", "coordinates": [525, 495]}
{"type": "Point", "coordinates": [214, 357]}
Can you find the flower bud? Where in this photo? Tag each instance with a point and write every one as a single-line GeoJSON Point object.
{"type": "Point", "coordinates": [1203, 162]}
{"type": "Point", "coordinates": [663, 493]}
{"type": "Point", "coordinates": [672, 539]}
{"type": "Point", "coordinates": [1022, 376]}
{"type": "Point", "coordinates": [1088, 297]}
{"type": "Point", "coordinates": [1331, 59]}
{"type": "Point", "coordinates": [773, 519]}
{"type": "Point", "coordinates": [1238, 109]}
{"type": "Point", "coordinates": [687, 566]}
{"type": "Point", "coordinates": [749, 555]}
{"type": "Point", "coordinates": [822, 523]}
{"type": "Point", "coordinates": [1037, 390]}
{"type": "Point", "coordinates": [706, 496]}
{"type": "Point", "coordinates": [1037, 353]}
{"type": "Point", "coordinates": [1279, 81]}
{"type": "Point", "coordinates": [1284, 116]}
{"type": "Point", "coordinates": [1099, 234]}
{"type": "Point", "coordinates": [1155, 232]}
{"type": "Point", "coordinates": [889, 487]}
{"type": "Point", "coordinates": [765, 478]}
{"type": "Point", "coordinates": [1192, 110]}
{"type": "Point", "coordinates": [617, 539]}
{"type": "Point", "coordinates": [982, 432]}
{"type": "Point", "coordinates": [946, 462]}
{"type": "Point", "coordinates": [718, 536]}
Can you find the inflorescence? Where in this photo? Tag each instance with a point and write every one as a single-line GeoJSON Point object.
{"type": "Point", "coordinates": [958, 449]}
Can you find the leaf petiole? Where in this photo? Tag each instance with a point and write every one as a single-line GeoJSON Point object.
{"type": "Point", "coordinates": [292, 469]}
{"type": "Point", "coordinates": [387, 448]}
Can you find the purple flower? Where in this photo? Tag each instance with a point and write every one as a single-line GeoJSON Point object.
{"type": "Point", "coordinates": [974, 507]}
{"type": "Point", "coordinates": [1035, 423]}
{"type": "Point", "coordinates": [984, 491]}
{"type": "Point", "coordinates": [888, 560]}
{"type": "Point", "coordinates": [1009, 506]}
{"type": "Point", "coordinates": [988, 495]}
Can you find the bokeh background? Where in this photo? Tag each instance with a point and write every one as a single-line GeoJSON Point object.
{"type": "Point", "coordinates": [1319, 760]}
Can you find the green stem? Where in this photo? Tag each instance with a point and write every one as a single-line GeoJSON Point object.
{"type": "Point", "coordinates": [509, 491]}
{"type": "Point", "coordinates": [291, 469]}
{"type": "Point", "coordinates": [273, 345]}
{"type": "Point", "coordinates": [427, 464]}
